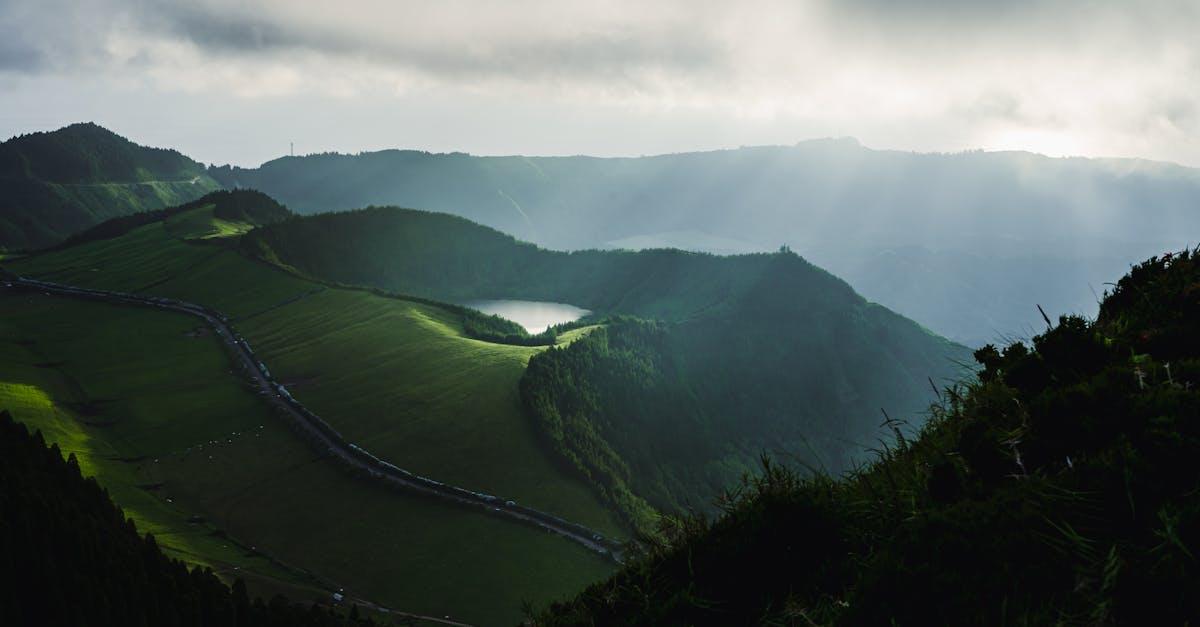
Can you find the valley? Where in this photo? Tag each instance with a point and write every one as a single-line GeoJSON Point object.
{"type": "Point", "coordinates": [749, 352]}
{"type": "Point", "coordinates": [274, 493]}
{"type": "Point", "coordinates": [599, 314]}
{"type": "Point", "coordinates": [311, 427]}
{"type": "Point", "coordinates": [379, 375]}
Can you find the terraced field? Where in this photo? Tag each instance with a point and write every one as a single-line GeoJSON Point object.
{"type": "Point", "coordinates": [395, 376]}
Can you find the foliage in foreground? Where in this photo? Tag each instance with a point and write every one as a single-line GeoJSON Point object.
{"type": "Point", "coordinates": [1058, 488]}
{"type": "Point", "coordinates": [669, 414]}
{"type": "Point", "coordinates": [70, 557]}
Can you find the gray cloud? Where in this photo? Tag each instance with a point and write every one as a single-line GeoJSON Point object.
{"type": "Point", "coordinates": [585, 55]}
{"type": "Point", "coordinates": [17, 55]}
{"type": "Point", "coordinates": [1184, 115]}
{"type": "Point", "coordinates": [1093, 77]}
{"type": "Point", "coordinates": [227, 31]}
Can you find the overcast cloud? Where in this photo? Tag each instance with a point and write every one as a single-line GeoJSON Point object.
{"type": "Point", "coordinates": [230, 81]}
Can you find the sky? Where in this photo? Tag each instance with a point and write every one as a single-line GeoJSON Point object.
{"type": "Point", "coordinates": [229, 81]}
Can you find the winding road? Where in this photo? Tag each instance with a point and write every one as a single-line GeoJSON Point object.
{"type": "Point", "coordinates": [322, 436]}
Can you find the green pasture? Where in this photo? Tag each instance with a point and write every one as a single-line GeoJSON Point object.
{"type": "Point", "coordinates": [395, 376]}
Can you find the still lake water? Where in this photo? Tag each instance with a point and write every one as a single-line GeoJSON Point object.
{"type": "Point", "coordinates": [535, 316]}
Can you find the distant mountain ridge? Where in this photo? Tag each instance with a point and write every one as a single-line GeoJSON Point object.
{"type": "Point", "coordinates": [749, 192]}
{"type": "Point", "coordinates": [55, 184]}
{"type": "Point", "coordinates": [959, 242]}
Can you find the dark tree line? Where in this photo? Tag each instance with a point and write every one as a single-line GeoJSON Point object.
{"type": "Point", "coordinates": [503, 331]}
{"type": "Point", "coordinates": [563, 391]}
{"type": "Point", "coordinates": [70, 557]}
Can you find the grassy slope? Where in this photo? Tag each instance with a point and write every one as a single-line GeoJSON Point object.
{"type": "Point", "coordinates": [55, 362]}
{"type": "Point", "coordinates": [394, 376]}
{"type": "Point", "coordinates": [401, 555]}
{"type": "Point", "coordinates": [169, 392]}
{"type": "Point", "coordinates": [418, 393]}
{"type": "Point", "coordinates": [200, 224]}
{"type": "Point", "coordinates": [49, 212]}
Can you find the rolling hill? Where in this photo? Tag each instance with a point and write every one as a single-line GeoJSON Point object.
{"type": "Point", "coordinates": [125, 387]}
{"type": "Point", "coordinates": [958, 242]}
{"type": "Point", "coordinates": [962, 243]}
{"type": "Point", "coordinates": [55, 184]}
{"type": "Point", "coordinates": [1055, 489]}
{"type": "Point", "coordinates": [752, 352]}
{"type": "Point", "coordinates": [744, 354]}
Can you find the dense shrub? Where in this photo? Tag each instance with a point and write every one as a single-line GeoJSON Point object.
{"type": "Point", "coordinates": [1057, 488]}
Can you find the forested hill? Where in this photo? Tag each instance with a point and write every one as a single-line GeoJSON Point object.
{"type": "Point", "coordinates": [87, 153]}
{"type": "Point", "coordinates": [1058, 488]}
{"type": "Point", "coordinates": [70, 557]}
{"type": "Point", "coordinates": [756, 197]}
{"type": "Point", "coordinates": [739, 354]}
{"type": "Point", "coordinates": [444, 257]}
{"type": "Point", "coordinates": [58, 183]}
{"type": "Point", "coordinates": [962, 242]}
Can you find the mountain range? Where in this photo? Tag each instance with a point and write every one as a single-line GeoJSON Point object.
{"type": "Point", "coordinates": [962, 242]}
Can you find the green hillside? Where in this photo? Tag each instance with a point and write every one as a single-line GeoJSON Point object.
{"type": "Point", "coordinates": [73, 558]}
{"type": "Point", "coordinates": [113, 398]}
{"type": "Point", "coordinates": [55, 184]}
{"type": "Point", "coordinates": [756, 352]}
{"type": "Point", "coordinates": [220, 214]}
{"type": "Point", "coordinates": [394, 376]}
{"type": "Point", "coordinates": [1057, 488]}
